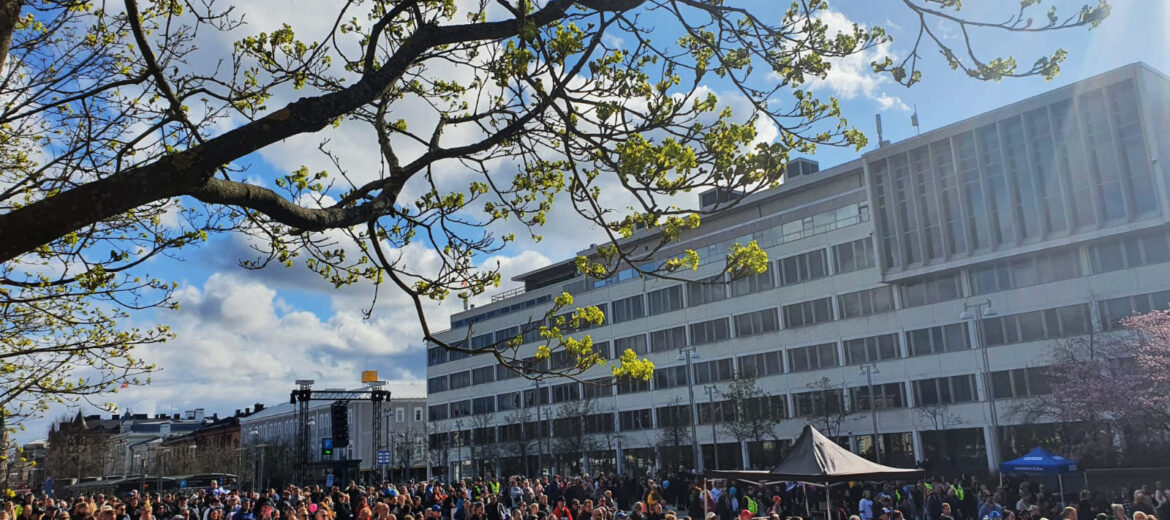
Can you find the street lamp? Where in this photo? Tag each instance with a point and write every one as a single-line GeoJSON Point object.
{"type": "Point", "coordinates": [255, 433]}
{"type": "Point", "coordinates": [618, 454]}
{"type": "Point", "coordinates": [539, 437]}
{"type": "Point", "coordinates": [711, 390]}
{"type": "Point", "coordinates": [689, 354]}
{"type": "Point", "coordinates": [977, 312]}
{"type": "Point", "coordinates": [869, 369]}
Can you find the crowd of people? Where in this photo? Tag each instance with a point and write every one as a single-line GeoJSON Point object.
{"type": "Point", "coordinates": [671, 497]}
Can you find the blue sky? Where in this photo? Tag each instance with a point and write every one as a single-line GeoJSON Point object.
{"type": "Point", "coordinates": [245, 336]}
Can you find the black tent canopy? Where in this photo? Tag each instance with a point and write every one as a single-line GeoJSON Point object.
{"type": "Point", "coordinates": [816, 459]}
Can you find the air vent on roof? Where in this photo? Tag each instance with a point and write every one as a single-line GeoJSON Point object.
{"type": "Point", "coordinates": [716, 196]}
{"type": "Point", "coordinates": [801, 166]}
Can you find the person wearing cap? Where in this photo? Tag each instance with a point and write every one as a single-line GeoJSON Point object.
{"type": "Point", "coordinates": [745, 515]}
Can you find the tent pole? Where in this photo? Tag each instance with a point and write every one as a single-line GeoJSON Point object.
{"type": "Point", "coordinates": [828, 502]}
{"type": "Point", "coordinates": [1060, 479]}
{"type": "Point", "coordinates": [807, 507]}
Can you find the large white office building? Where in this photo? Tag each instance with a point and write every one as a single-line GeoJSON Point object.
{"type": "Point", "coordinates": [1053, 210]}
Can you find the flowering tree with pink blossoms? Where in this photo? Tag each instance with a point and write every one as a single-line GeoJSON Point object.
{"type": "Point", "coordinates": [1110, 391]}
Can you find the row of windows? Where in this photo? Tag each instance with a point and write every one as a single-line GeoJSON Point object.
{"type": "Point", "coordinates": [1116, 253]}
{"type": "Point", "coordinates": [1044, 324]}
{"type": "Point", "coordinates": [1006, 384]}
{"type": "Point", "coordinates": [1076, 163]}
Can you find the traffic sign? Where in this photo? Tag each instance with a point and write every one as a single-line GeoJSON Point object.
{"type": "Point", "coordinates": [382, 458]}
{"type": "Point", "coordinates": [329, 480]}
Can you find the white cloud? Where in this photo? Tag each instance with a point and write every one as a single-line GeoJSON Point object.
{"type": "Point", "coordinates": [852, 76]}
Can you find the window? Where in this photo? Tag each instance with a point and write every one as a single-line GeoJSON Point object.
{"type": "Point", "coordinates": [818, 402]}
{"type": "Point", "coordinates": [503, 372]}
{"type": "Point", "coordinates": [603, 350]}
{"type": "Point", "coordinates": [437, 412]}
{"type": "Point", "coordinates": [926, 291]}
{"type": "Point", "coordinates": [675, 416]}
{"type": "Point", "coordinates": [635, 420]}
{"type": "Point", "coordinates": [399, 414]}
{"type": "Point", "coordinates": [531, 331]}
{"type": "Point", "coordinates": [1115, 310]}
{"type": "Point", "coordinates": [636, 343]}
{"type": "Point", "coordinates": [460, 380]}
{"type": "Point", "coordinates": [772, 406]}
{"type": "Point", "coordinates": [812, 357]}
{"type": "Point", "coordinates": [717, 412]}
{"type": "Point", "coordinates": [665, 300]}
{"type": "Point", "coordinates": [628, 385]}
{"type": "Point", "coordinates": [759, 322]}
{"type": "Point", "coordinates": [760, 365]}
{"type": "Point", "coordinates": [873, 348]}
{"type": "Point", "coordinates": [936, 340]}
{"type": "Point", "coordinates": [566, 392]}
{"type": "Point", "coordinates": [483, 341]}
{"type": "Point", "coordinates": [483, 375]}
{"type": "Point", "coordinates": [889, 395]}
{"type": "Point", "coordinates": [668, 339]}
{"type": "Point", "coordinates": [436, 356]}
{"type": "Point", "coordinates": [508, 401]}
{"type": "Point", "coordinates": [1021, 382]}
{"type": "Point", "coordinates": [706, 291]}
{"type": "Point", "coordinates": [750, 284]}
{"type": "Point", "coordinates": [1055, 323]}
{"type": "Point", "coordinates": [1025, 272]}
{"type": "Point", "coordinates": [713, 371]}
{"type": "Point", "coordinates": [867, 302]}
{"type": "Point", "coordinates": [1130, 252]}
{"type": "Point", "coordinates": [945, 390]}
{"type": "Point", "coordinates": [461, 408]}
{"type": "Point", "coordinates": [853, 256]}
{"type": "Point", "coordinates": [808, 313]}
{"type": "Point", "coordinates": [710, 331]}
{"type": "Point", "coordinates": [536, 396]}
{"type": "Point", "coordinates": [594, 388]}
{"type": "Point", "coordinates": [803, 267]}
{"type": "Point", "coordinates": [599, 423]}
{"type": "Point", "coordinates": [483, 405]}
{"type": "Point", "coordinates": [628, 309]}
{"type": "Point", "coordinates": [436, 384]}
{"type": "Point", "coordinates": [503, 336]}
{"type": "Point", "coordinates": [670, 377]}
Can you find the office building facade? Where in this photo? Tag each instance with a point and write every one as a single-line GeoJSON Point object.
{"type": "Point", "coordinates": [1047, 218]}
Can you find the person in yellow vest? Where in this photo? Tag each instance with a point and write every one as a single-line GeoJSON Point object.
{"type": "Point", "coordinates": [752, 505]}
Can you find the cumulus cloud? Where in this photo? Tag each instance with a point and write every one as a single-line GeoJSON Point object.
{"type": "Point", "coordinates": [852, 76]}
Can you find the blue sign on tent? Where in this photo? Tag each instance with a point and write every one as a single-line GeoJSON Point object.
{"type": "Point", "coordinates": [182, 484]}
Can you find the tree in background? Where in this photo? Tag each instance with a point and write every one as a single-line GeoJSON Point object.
{"type": "Point", "coordinates": [122, 134]}
{"type": "Point", "coordinates": [1111, 385]}
{"type": "Point", "coordinates": [571, 437]}
{"type": "Point", "coordinates": [674, 437]}
{"type": "Point", "coordinates": [757, 414]}
{"type": "Point", "coordinates": [826, 407]}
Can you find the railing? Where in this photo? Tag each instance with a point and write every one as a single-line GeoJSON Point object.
{"type": "Point", "coordinates": [507, 294]}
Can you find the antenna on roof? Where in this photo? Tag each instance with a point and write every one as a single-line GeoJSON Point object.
{"type": "Point", "coordinates": [914, 120]}
{"type": "Point", "coordinates": [878, 120]}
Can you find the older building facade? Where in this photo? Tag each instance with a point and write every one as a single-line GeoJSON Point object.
{"type": "Point", "coordinates": [1046, 218]}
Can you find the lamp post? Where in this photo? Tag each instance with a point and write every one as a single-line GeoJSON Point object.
{"type": "Point", "coordinates": [977, 311]}
{"type": "Point", "coordinates": [689, 354]}
{"type": "Point", "coordinates": [255, 433]}
{"type": "Point", "coordinates": [618, 455]}
{"type": "Point", "coordinates": [539, 436]}
{"type": "Point", "coordinates": [711, 390]}
{"type": "Point", "coordinates": [869, 369]}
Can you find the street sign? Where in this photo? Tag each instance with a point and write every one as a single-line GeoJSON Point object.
{"type": "Point", "coordinates": [49, 486]}
{"type": "Point", "coordinates": [382, 458]}
{"type": "Point", "coordinates": [329, 480]}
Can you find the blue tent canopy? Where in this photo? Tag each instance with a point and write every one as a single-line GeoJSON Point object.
{"type": "Point", "coordinates": [1039, 461]}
